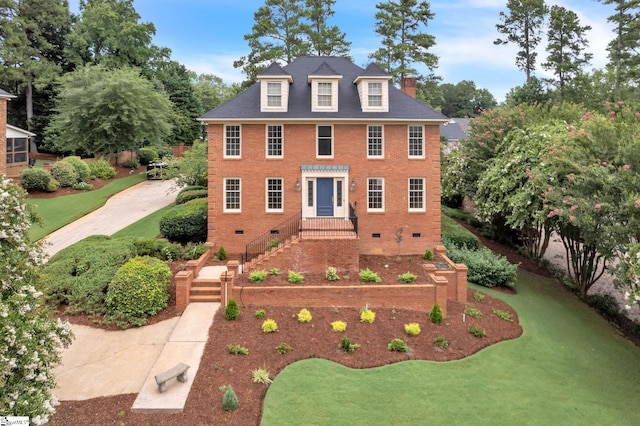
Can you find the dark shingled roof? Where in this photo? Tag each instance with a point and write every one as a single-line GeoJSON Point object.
{"type": "Point", "coordinates": [274, 69]}
{"type": "Point", "coordinates": [453, 130]}
{"type": "Point", "coordinates": [4, 94]}
{"type": "Point", "coordinates": [247, 104]}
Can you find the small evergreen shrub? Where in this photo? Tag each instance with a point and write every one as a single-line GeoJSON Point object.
{"type": "Point", "coordinates": [257, 276]}
{"type": "Point", "coordinates": [183, 197]}
{"type": "Point", "coordinates": [397, 345]}
{"type": "Point", "coordinates": [221, 254]}
{"type": "Point", "coordinates": [606, 304]}
{"type": "Point", "coordinates": [53, 185]}
{"type": "Point", "coordinates": [232, 310]}
{"type": "Point", "coordinates": [346, 346]}
{"type": "Point", "coordinates": [435, 315]}
{"type": "Point", "coordinates": [459, 237]}
{"type": "Point", "coordinates": [269, 326]}
{"type": "Point", "coordinates": [485, 268]}
{"type": "Point", "coordinates": [274, 271]}
{"type": "Point", "coordinates": [260, 313]}
{"type": "Point", "coordinates": [230, 399]}
{"type": "Point", "coordinates": [64, 173]}
{"type": "Point", "coordinates": [171, 252]}
{"type": "Point", "coordinates": [295, 277]}
{"type": "Point", "coordinates": [332, 274]}
{"type": "Point", "coordinates": [368, 276]}
{"type": "Point", "coordinates": [477, 331]}
{"type": "Point", "coordinates": [441, 342]}
{"type": "Point", "coordinates": [35, 179]}
{"type": "Point", "coordinates": [131, 163]}
{"type": "Point", "coordinates": [238, 350]}
{"type": "Point", "coordinates": [428, 255]}
{"type": "Point", "coordinates": [186, 222]}
{"type": "Point", "coordinates": [82, 186]}
{"type": "Point", "coordinates": [503, 315]}
{"type": "Point", "coordinates": [367, 315]}
{"type": "Point", "coordinates": [102, 169]}
{"type": "Point", "coordinates": [147, 155]}
{"type": "Point", "coordinates": [283, 348]}
{"type": "Point", "coordinates": [472, 312]}
{"type": "Point", "coordinates": [304, 315]}
{"type": "Point", "coordinates": [407, 278]}
{"type": "Point", "coordinates": [261, 375]}
{"type": "Point", "coordinates": [478, 297]}
{"type": "Point", "coordinates": [412, 329]}
{"type": "Point", "coordinates": [339, 326]}
{"type": "Point", "coordinates": [81, 168]}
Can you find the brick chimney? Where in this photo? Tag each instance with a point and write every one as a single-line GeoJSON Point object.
{"type": "Point", "coordinates": [408, 85]}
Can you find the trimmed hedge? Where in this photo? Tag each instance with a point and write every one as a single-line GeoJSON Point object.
{"type": "Point", "coordinates": [485, 268]}
{"type": "Point", "coordinates": [64, 173]}
{"type": "Point", "coordinates": [34, 179]}
{"type": "Point", "coordinates": [147, 155]}
{"type": "Point", "coordinates": [454, 234]}
{"type": "Point", "coordinates": [81, 168]}
{"type": "Point", "coordinates": [186, 222]}
{"type": "Point", "coordinates": [192, 188]}
{"type": "Point", "coordinates": [191, 195]}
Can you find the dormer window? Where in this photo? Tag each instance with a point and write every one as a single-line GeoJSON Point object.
{"type": "Point", "coordinates": [373, 89]}
{"type": "Point", "coordinates": [375, 94]}
{"type": "Point", "coordinates": [324, 94]}
{"type": "Point", "coordinates": [274, 94]}
{"type": "Point", "coordinates": [274, 89]}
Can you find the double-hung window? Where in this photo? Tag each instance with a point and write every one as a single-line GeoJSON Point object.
{"type": "Point", "coordinates": [375, 194]}
{"type": "Point", "coordinates": [375, 94]}
{"type": "Point", "coordinates": [232, 141]}
{"type": "Point", "coordinates": [375, 148]}
{"type": "Point", "coordinates": [325, 90]}
{"type": "Point", "coordinates": [416, 194]}
{"type": "Point", "coordinates": [232, 195]}
{"type": "Point", "coordinates": [324, 146]}
{"type": "Point", "coordinates": [274, 94]}
{"type": "Point", "coordinates": [274, 195]}
{"type": "Point", "coordinates": [416, 142]}
{"type": "Point", "coordinates": [274, 141]}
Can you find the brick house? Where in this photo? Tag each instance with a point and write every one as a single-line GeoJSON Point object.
{"type": "Point", "coordinates": [332, 152]}
{"type": "Point", "coordinates": [4, 97]}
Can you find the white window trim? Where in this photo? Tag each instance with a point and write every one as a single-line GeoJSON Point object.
{"type": "Point", "coordinates": [334, 95]}
{"type": "Point", "coordinates": [333, 138]}
{"type": "Point", "coordinates": [424, 195]}
{"type": "Point", "coordinates": [224, 196]}
{"type": "Point", "coordinates": [224, 148]}
{"type": "Point", "coordinates": [266, 141]}
{"type": "Point", "coordinates": [363, 92]}
{"type": "Point", "coordinates": [266, 195]}
{"type": "Point", "coordinates": [422, 156]}
{"type": "Point", "coordinates": [372, 210]}
{"type": "Point", "coordinates": [264, 95]}
{"type": "Point", "coordinates": [383, 142]}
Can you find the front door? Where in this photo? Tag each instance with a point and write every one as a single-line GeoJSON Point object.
{"type": "Point", "coordinates": [325, 196]}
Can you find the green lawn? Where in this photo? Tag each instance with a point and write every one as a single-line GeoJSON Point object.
{"type": "Point", "coordinates": [148, 226]}
{"type": "Point", "coordinates": [569, 367]}
{"type": "Point", "coordinates": [60, 211]}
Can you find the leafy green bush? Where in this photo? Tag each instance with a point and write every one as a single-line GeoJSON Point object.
{"type": "Point", "coordinates": [257, 276]}
{"type": "Point", "coordinates": [367, 315]}
{"type": "Point", "coordinates": [435, 315]}
{"type": "Point", "coordinates": [34, 179]}
{"type": "Point", "coordinates": [295, 277]}
{"type": "Point", "coordinates": [171, 251]}
{"type": "Point", "coordinates": [428, 255]}
{"type": "Point", "coordinates": [131, 163]}
{"type": "Point", "coordinates": [147, 155]}
{"type": "Point", "coordinates": [261, 375]}
{"type": "Point", "coordinates": [478, 297]}
{"type": "Point", "coordinates": [304, 315]}
{"type": "Point", "coordinates": [230, 399]}
{"type": "Point", "coordinates": [368, 276]}
{"type": "Point", "coordinates": [273, 243]}
{"type": "Point", "coordinates": [346, 345]}
{"type": "Point", "coordinates": [101, 169]}
{"type": "Point", "coordinates": [339, 326]}
{"type": "Point", "coordinates": [441, 342]}
{"type": "Point", "coordinates": [456, 235]}
{"type": "Point", "coordinates": [397, 345]}
{"type": "Point", "coordinates": [190, 195]}
{"type": "Point", "coordinates": [232, 310]}
{"type": "Point", "coordinates": [146, 246]}
{"type": "Point", "coordinates": [332, 274]}
{"type": "Point", "coordinates": [193, 251]}
{"type": "Point", "coordinates": [64, 173]}
{"type": "Point", "coordinates": [606, 304]}
{"type": "Point", "coordinates": [472, 312]}
{"type": "Point", "coordinates": [477, 331]}
{"type": "Point", "coordinates": [412, 329]}
{"type": "Point", "coordinates": [81, 168]}
{"type": "Point", "coordinates": [53, 185]}
{"type": "Point", "coordinates": [269, 326]}
{"type": "Point", "coordinates": [186, 222]}
{"type": "Point", "coordinates": [274, 271]}
{"type": "Point", "coordinates": [221, 254]}
{"type": "Point", "coordinates": [237, 350]}
{"type": "Point", "coordinates": [407, 278]}
{"type": "Point", "coordinates": [139, 288]}
{"type": "Point", "coordinates": [283, 348]}
{"type": "Point", "coordinates": [503, 315]}
{"type": "Point", "coordinates": [165, 151]}
{"type": "Point", "coordinates": [260, 313]}
{"type": "Point", "coordinates": [191, 188]}
{"type": "Point", "coordinates": [82, 186]}
{"type": "Point", "coordinates": [485, 268]}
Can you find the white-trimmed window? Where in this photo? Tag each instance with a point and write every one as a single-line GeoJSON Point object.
{"type": "Point", "coordinates": [375, 94]}
{"type": "Point", "coordinates": [375, 194]}
{"type": "Point", "coordinates": [416, 142]}
{"type": "Point", "coordinates": [232, 141]}
{"type": "Point", "coordinates": [416, 194]}
{"type": "Point", "coordinates": [274, 94]}
{"type": "Point", "coordinates": [324, 147]}
{"type": "Point", "coordinates": [232, 195]}
{"type": "Point", "coordinates": [275, 148]}
{"type": "Point", "coordinates": [275, 195]}
{"type": "Point", "coordinates": [375, 143]}
{"type": "Point", "coordinates": [325, 92]}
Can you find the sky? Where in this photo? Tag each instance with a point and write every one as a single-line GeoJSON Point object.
{"type": "Point", "coordinates": [207, 36]}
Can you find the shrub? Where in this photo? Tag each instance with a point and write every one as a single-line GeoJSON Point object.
{"type": "Point", "coordinates": [304, 315]}
{"type": "Point", "coordinates": [503, 315]}
{"type": "Point", "coordinates": [64, 173]}
{"type": "Point", "coordinates": [339, 326]}
{"type": "Point", "coordinates": [332, 274]}
{"type": "Point", "coordinates": [101, 169]}
{"type": "Point", "coordinates": [194, 251]}
{"type": "Point", "coordinates": [454, 235]}
{"type": "Point", "coordinates": [472, 312]}
{"type": "Point", "coordinates": [485, 268]}
{"type": "Point", "coordinates": [606, 304]}
{"type": "Point", "coordinates": [82, 186]}
{"type": "Point", "coordinates": [81, 168]}
{"type": "Point", "coordinates": [139, 288]}
{"type": "Point", "coordinates": [34, 179]}
{"type": "Point", "coordinates": [131, 163]}
{"type": "Point", "coordinates": [407, 278]}
{"type": "Point", "coordinates": [191, 188]}
{"type": "Point", "coordinates": [435, 315]}
{"type": "Point", "coordinates": [441, 342]}
{"type": "Point", "coordinates": [274, 271]}
{"type": "Point", "coordinates": [186, 222]}
{"type": "Point", "coordinates": [261, 375]}
{"type": "Point", "coordinates": [171, 252]}
{"type": "Point", "coordinates": [238, 350]}
{"type": "Point", "coordinates": [269, 326]}
{"type": "Point", "coordinates": [53, 185]}
{"type": "Point", "coordinates": [273, 244]}
{"type": "Point", "coordinates": [221, 254]}
{"type": "Point", "coordinates": [412, 329]}
{"type": "Point", "coordinates": [367, 315]}
{"type": "Point", "coordinates": [295, 277]}
{"type": "Point", "coordinates": [478, 297]}
{"type": "Point", "coordinates": [477, 331]}
{"type": "Point", "coordinates": [147, 155]}
{"type": "Point", "coordinates": [232, 310]}
{"type": "Point", "coordinates": [346, 345]}
{"type": "Point", "coordinates": [368, 276]}
{"type": "Point", "coordinates": [283, 348]}
{"type": "Point", "coordinates": [260, 313]}
{"type": "Point", "coordinates": [428, 255]}
{"type": "Point", "coordinates": [397, 345]}
{"type": "Point", "coordinates": [191, 195]}
{"type": "Point", "coordinates": [165, 151]}
{"type": "Point", "coordinates": [230, 399]}
{"type": "Point", "coordinates": [257, 276]}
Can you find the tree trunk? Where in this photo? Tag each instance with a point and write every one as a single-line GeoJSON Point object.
{"type": "Point", "coordinates": [29, 96]}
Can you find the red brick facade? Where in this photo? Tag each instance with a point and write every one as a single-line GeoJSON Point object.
{"type": "Point", "coordinates": [3, 135]}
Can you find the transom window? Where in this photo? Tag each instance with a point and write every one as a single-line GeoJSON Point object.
{"type": "Point", "coordinates": [274, 195]}
{"type": "Point", "coordinates": [374, 141]}
{"type": "Point", "coordinates": [416, 194]}
{"type": "Point", "coordinates": [375, 94]}
{"type": "Point", "coordinates": [16, 150]}
{"type": "Point", "coordinates": [324, 94]}
{"type": "Point", "coordinates": [274, 94]}
{"type": "Point", "coordinates": [232, 195]}
{"type": "Point", "coordinates": [232, 141]}
{"type": "Point", "coordinates": [416, 142]}
{"type": "Point", "coordinates": [375, 194]}
{"type": "Point", "coordinates": [325, 141]}
{"type": "Point", "coordinates": [274, 141]}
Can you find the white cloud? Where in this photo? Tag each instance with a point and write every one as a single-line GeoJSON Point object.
{"type": "Point", "coordinates": [218, 65]}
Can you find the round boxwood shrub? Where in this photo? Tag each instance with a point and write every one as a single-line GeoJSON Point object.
{"type": "Point", "coordinates": [147, 155]}
{"type": "Point", "coordinates": [81, 168]}
{"type": "Point", "coordinates": [139, 288]}
{"type": "Point", "coordinates": [64, 173]}
{"type": "Point", "coordinates": [102, 169]}
{"type": "Point", "coordinates": [190, 195]}
{"type": "Point", "coordinates": [34, 179]}
{"type": "Point", "coordinates": [186, 222]}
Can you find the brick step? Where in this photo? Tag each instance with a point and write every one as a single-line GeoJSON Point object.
{"type": "Point", "coordinates": [208, 298]}
{"type": "Point", "coordinates": [204, 282]}
{"type": "Point", "coordinates": [205, 290]}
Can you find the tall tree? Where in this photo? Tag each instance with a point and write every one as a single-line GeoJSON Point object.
{"type": "Point", "coordinates": [401, 24]}
{"type": "Point", "coordinates": [325, 40]}
{"type": "Point", "coordinates": [566, 48]}
{"type": "Point", "coordinates": [211, 91]}
{"type": "Point", "coordinates": [523, 26]}
{"type": "Point", "coordinates": [465, 99]}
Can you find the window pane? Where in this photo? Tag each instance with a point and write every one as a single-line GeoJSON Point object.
{"type": "Point", "coordinates": [375, 141]}
{"type": "Point", "coordinates": [310, 193]}
{"type": "Point", "coordinates": [416, 193]}
{"type": "Point", "coordinates": [415, 141]}
{"type": "Point", "coordinates": [232, 193]}
{"type": "Point", "coordinates": [339, 193]}
{"type": "Point", "coordinates": [324, 140]}
{"type": "Point", "coordinates": [274, 141]}
{"type": "Point", "coordinates": [274, 94]}
{"type": "Point", "coordinates": [375, 193]}
{"type": "Point", "coordinates": [324, 94]}
{"type": "Point", "coordinates": [375, 94]}
{"type": "Point", "coordinates": [232, 141]}
{"type": "Point", "coordinates": [274, 194]}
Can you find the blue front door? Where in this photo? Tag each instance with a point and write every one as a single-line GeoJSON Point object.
{"type": "Point", "coordinates": [325, 197]}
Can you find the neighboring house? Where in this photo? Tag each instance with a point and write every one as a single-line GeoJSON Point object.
{"type": "Point", "coordinates": [4, 97]}
{"type": "Point", "coordinates": [332, 152]}
{"type": "Point", "coordinates": [454, 130]}
{"type": "Point", "coordinates": [19, 148]}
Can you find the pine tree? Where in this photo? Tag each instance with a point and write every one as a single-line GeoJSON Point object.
{"type": "Point", "coordinates": [325, 40]}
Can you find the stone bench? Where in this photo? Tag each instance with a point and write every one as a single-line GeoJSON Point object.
{"type": "Point", "coordinates": [179, 371]}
